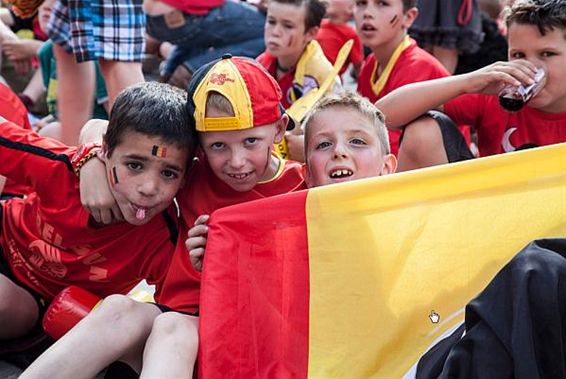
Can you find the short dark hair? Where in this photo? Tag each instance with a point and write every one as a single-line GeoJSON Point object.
{"type": "Point", "coordinates": [544, 14]}
{"type": "Point", "coordinates": [154, 109]}
{"type": "Point", "coordinates": [408, 4]}
{"type": "Point", "coordinates": [316, 10]}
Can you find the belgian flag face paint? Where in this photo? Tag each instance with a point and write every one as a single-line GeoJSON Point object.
{"type": "Point", "coordinates": [158, 151]}
{"type": "Point", "coordinates": [113, 176]}
{"type": "Point", "coordinates": [393, 21]}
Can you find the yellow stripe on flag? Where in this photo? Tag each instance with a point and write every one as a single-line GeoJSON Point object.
{"type": "Point", "coordinates": [384, 253]}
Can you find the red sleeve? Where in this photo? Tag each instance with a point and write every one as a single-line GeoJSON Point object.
{"type": "Point", "coordinates": [12, 108]}
{"type": "Point", "coordinates": [27, 158]}
{"type": "Point", "coordinates": [466, 109]}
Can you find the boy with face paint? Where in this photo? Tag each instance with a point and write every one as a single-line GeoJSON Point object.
{"type": "Point", "coordinates": [537, 41]}
{"type": "Point", "coordinates": [48, 241]}
{"type": "Point", "coordinates": [396, 60]}
{"type": "Point", "coordinates": [234, 105]}
{"type": "Point", "coordinates": [293, 56]}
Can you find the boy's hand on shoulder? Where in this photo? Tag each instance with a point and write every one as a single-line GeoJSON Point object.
{"type": "Point", "coordinates": [491, 79]}
{"type": "Point", "coordinates": [196, 243]}
{"type": "Point", "coordinates": [95, 193]}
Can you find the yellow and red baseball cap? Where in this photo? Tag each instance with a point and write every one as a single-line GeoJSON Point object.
{"type": "Point", "coordinates": [254, 94]}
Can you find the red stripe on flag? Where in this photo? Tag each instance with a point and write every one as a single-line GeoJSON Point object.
{"type": "Point", "coordinates": [255, 291]}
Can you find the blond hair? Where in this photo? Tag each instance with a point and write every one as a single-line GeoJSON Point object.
{"type": "Point", "coordinates": [350, 100]}
{"type": "Point", "coordinates": [220, 103]}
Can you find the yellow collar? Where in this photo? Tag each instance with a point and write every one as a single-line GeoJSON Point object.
{"type": "Point", "coordinates": [377, 85]}
{"type": "Point", "coordinates": [280, 168]}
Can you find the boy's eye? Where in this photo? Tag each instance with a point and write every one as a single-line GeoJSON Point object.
{"type": "Point", "coordinates": [517, 55]}
{"type": "Point", "coordinates": [546, 54]}
{"type": "Point", "coordinates": [323, 145]}
{"type": "Point", "coordinates": [134, 166]}
{"type": "Point", "coordinates": [271, 21]}
{"type": "Point", "coordinates": [358, 141]}
{"type": "Point", "coordinates": [216, 145]}
{"type": "Point", "coordinates": [382, 3]}
{"type": "Point", "coordinates": [288, 26]}
{"type": "Point", "coordinates": [361, 3]}
{"type": "Point", "coordinates": [168, 174]}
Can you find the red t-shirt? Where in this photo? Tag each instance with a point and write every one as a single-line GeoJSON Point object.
{"type": "Point", "coordinates": [197, 7]}
{"type": "Point", "coordinates": [12, 109]}
{"type": "Point", "coordinates": [48, 239]}
{"type": "Point", "coordinates": [332, 37]}
{"type": "Point", "coordinates": [414, 65]}
{"type": "Point", "coordinates": [203, 194]}
{"type": "Point", "coordinates": [500, 131]}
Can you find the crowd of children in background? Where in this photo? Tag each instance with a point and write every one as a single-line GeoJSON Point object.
{"type": "Point", "coordinates": [410, 111]}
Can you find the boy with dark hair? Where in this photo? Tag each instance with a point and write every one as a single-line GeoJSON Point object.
{"type": "Point", "coordinates": [537, 40]}
{"type": "Point", "coordinates": [293, 56]}
{"type": "Point", "coordinates": [48, 241]}
{"type": "Point", "coordinates": [396, 60]}
{"type": "Point", "coordinates": [234, 105]}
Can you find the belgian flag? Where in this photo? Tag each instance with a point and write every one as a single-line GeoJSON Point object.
{"type": "Point", "coordinates": [360, 279]}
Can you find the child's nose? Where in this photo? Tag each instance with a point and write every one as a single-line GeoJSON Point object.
{"type": "Point", "coordinates": [148, 187]}
{"type": "Point", "coordinates": [276, 30]}
{"type": "Point", "coordinates": [340, 151]}
{"type": "Point", "coordinates": [237, 160]}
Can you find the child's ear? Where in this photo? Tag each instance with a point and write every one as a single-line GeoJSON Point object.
{"type": "Point", "coordinates": [389, 164]}
{"type": "Point", "coordinates": [311, 33]}
{"type": "Point", "coordinates": [281, 128]}
{"type": "Point", "coordinates": [306, 175]}
{"type": "Point", "coordinates": [104, 152]}
{"type": "Point", "coordinates": [409, 17]}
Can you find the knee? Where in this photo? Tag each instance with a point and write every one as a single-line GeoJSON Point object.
{"type": "Point", "coordinates": [173, 325]}
{"type": "Point", "coordinates": [422, 145]}
{"type": "Point", "coordinates": [422, 134]}
{"type": "Point", "coordinates": [115, 309]}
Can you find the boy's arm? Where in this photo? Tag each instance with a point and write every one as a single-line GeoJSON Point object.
{"type": "Point", "coordinates": [406, 103]}
{"type": "Point", "coordinates": [93, 131]}
{"type": "Point", "coordinates": [94, 188]}
{"type": "Point", "coordinates": [30, 159]}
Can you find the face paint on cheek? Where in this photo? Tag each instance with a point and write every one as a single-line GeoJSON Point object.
{"type": "Point", "coordinates": [158, 151]}
{"type": "Point", "coordinates": [291, 40]}
{"type": "Point", "coordinates": [113, 175]}
{"type": "Point", "coordinates": [394, 20]}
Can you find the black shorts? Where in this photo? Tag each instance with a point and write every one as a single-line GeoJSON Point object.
{"type": "Point", "coordinates": [8, 196]}
{"type": "Point", "coordinates": [164, 309]}
{"type": "Point", "coordinates": [455, 144]}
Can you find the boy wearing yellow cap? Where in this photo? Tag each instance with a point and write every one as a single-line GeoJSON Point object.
{"type": "Point", "coordinates": [235, 107]}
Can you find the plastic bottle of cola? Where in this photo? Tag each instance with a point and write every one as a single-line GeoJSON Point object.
{"type": "Point", "coordinates": [513, 98]}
